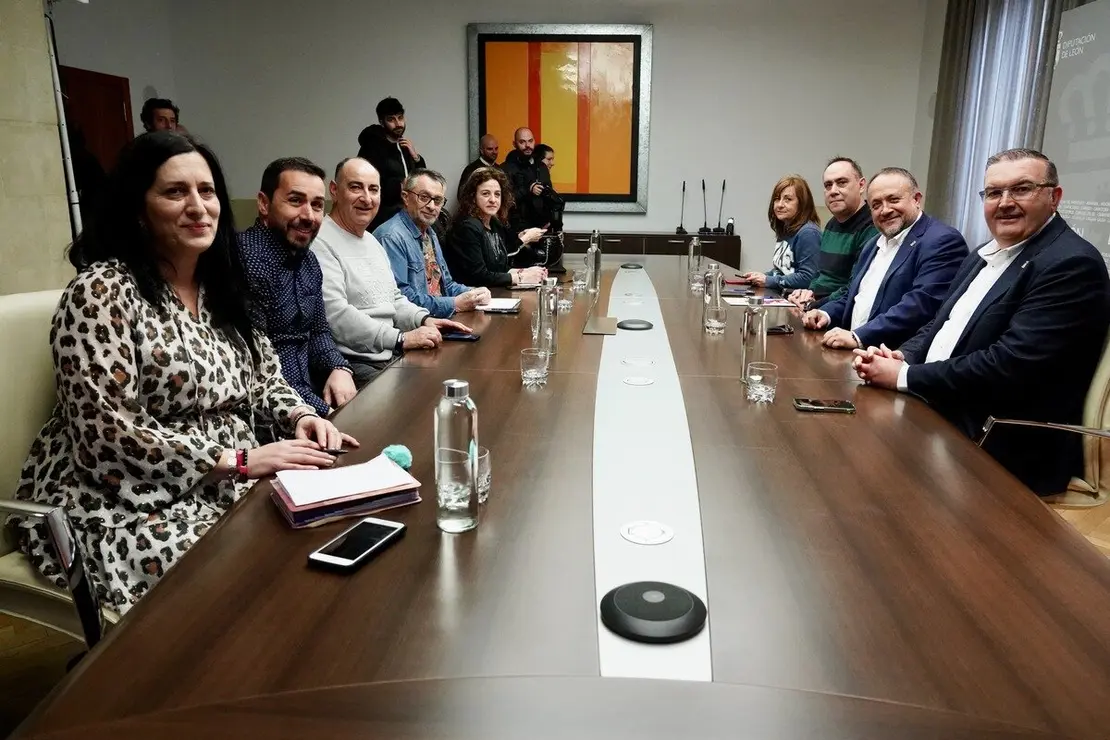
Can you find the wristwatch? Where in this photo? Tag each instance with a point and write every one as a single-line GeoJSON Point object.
{"type": "Point", "coordinates": [399, 348]}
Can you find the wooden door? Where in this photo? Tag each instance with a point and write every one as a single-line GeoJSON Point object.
{"type": "Point", "coordinates": [98, 107]}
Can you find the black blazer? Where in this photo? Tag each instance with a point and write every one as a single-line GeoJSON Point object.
{"type": "Point", "coordinates": [480, 257]}
{"type": "Point", "coordinates": [1029, 352]}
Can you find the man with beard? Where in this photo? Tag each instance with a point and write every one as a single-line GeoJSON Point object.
{"type": "Point", "coordinates": [385, 146]}
{"type": "Point", "coordinates": [529, 178]}
{"type": "Point", "coordinates": [901, 277]}
{"type": "Point", "coordinates": [371, 319]}
{"type": "Point", "coordinates": [415, 253]}
{"type": "Point", "coordinates": [844, 235]}
{"type": "Point", "coordinates": [487, 157]}
{"type": "Point", "coordinates": [286, 302]}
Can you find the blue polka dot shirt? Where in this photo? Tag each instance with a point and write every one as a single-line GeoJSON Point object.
{"type": "Point", "coordinates": [287, 304]}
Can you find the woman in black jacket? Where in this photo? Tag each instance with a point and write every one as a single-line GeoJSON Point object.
{"type": "Point", "coordinates": [480, 251]}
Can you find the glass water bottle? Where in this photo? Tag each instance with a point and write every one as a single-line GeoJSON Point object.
{"type": "Point", "coordinates": [714, 310]}
{"type": "Point", "coordinates": [456, 458]}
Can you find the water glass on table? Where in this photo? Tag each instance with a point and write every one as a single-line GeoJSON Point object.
{"type": "Point", "coordinates": [763, 380]}
{"type": "Point", "coordinates": [533, 367]}
{"type": "Point", "coordinates": [485, 474]}
{"type": "Point", "coordinates": [566, 299]}
{"type": "Point", "coordinates": [456, 491]}
{"type": "Point", "coordinates": [578, 279]}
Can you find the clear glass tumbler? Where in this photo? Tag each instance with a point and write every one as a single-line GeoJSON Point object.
{"type": "Point", "coordinates": [763, 380]}
{"type": "Point", "coordinates": [533, 367]}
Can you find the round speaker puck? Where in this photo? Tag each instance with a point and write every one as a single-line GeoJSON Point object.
{"type": "Point", "coordinates": [653, 612]}
{"type": "Point", "coordinates": [635, 325]}
{"type": "Point", "coordinates": [631, 266]}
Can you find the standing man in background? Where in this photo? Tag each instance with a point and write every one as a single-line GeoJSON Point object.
{"type": "Point", "coordinates": [844, 236]}
{"type": "Point", "coordinates": [529, 178]}
{"type": "Point", "coordinates": [487, 157]}
{"type": "Point", "coordinates": [393, 155]}
{"type": "Point", "coordinates": [159, 114]}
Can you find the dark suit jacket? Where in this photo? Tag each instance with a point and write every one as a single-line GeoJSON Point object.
{"type": "Point", "coordinates": [469, 169]}
{"type": "Point", "coordinates": [1028, 352]}
{"type": "Point", "coordinates": [914, 287]}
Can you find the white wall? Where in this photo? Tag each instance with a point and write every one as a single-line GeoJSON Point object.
{"type": "Point", "coordinates": [746, 90]}
{"type": "Point", "coordinates": [126, 38]}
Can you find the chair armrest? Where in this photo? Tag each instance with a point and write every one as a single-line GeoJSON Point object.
{"type": "Point", "coordinates": [1077, 429]}
{"type": "Point", "coordinates": [68, 550]}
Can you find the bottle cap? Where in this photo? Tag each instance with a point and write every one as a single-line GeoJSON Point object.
{"type": "Point", "coordinates": [455, 388]}
{"type": "Point", "coordinates": [714, 266]}
{"type": "Point", "coordinates": [551, 282]}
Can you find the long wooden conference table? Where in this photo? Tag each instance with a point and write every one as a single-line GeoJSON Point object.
{"type": "Point", "coordinates": [866, 576]}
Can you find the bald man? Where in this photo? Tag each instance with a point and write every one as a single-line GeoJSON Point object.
{"type": "Point", "coordinates": [487, 157]}
{"type": "Point", "coordinates": [530, 177]}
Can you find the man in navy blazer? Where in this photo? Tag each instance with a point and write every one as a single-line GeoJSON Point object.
{"type": "Point", "coordinates": [902, 275]}
{"type": "Point", "coordinates": [1021, 333]}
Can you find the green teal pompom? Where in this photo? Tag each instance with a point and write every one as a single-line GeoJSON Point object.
{"type": "Point", "coordinates": [400, 455]}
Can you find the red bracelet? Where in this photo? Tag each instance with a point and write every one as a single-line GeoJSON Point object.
{"type": "Point", "coordinates": [241, 463]}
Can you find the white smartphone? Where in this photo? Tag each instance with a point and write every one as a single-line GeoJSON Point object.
{"type": "Point", "coordinates": [358, 545]}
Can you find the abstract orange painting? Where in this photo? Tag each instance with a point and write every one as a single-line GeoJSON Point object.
{"type": "Point", "coordinates": [582, 94]}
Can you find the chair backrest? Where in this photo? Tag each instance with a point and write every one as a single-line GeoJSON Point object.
{"type": "Point", "coordinates": [27, 392]}
{"type": "Point", "coordinates": [1096, 451]}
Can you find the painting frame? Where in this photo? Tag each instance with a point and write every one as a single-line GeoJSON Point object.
{"type": "Point", "coordinates": [634, 201]}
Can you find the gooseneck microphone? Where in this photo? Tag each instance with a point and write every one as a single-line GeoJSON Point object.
{"type": "Point", "coordinates": [682, 213]}
{"type": "Point", "coordinates": [704, 212]}
{"type": "Point", "coordinates": [720, 210]}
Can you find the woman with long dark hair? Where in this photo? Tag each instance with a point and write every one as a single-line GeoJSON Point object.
{"type": "Point", "coordinates": [797, 227]}
{"type": "Point", "coordinates": [161, 378]}
{"type": "Point", "coordinates": [480, 250]}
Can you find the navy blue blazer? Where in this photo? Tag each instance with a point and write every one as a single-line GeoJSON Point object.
{"type": "Point", "coordinates": [1029, 352]}
{"type": "Point", "coordinates": [914, 287]}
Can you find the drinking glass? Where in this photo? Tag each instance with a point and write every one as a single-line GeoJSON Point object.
{"type": "Point", "coordinates": [533, 367]}
{"type": "Point", "coordinates": [763, 380]}
{"type": "Point", "coordinates": [716, 318]}
{"type": "Point", "coordinates": [456, 497]}
{"type": "Point", "coordinates": [566, 299]}
{"type": "Point", "coordinates": [578, 279]}
{"type": "Point", "coordinates": [485, 475]}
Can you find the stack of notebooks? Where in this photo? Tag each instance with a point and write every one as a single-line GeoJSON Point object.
{"type": "Point", "coordinates": [307, 498]}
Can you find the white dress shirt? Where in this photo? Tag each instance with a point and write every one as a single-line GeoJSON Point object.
{"type": "Point", "coordinates": [944, 341]}
{"type": "Point", "coordinates": [885, 252]}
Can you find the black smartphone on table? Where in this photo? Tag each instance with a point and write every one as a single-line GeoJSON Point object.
{"type": "Point", "coordinates": [460, 336]}
{"type": "Point", "coordinates": [780, 329]}
{"type": "Point", "coordinates": [358, 545]}
{"type": "Point", "coordinates": [831, 406]}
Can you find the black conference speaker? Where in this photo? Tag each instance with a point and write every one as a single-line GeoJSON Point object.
{"type": "Point", "coordinates": [650, 611]}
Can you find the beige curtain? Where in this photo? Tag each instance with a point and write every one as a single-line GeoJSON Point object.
{"type": "Point", "coordinates": [996, 70]}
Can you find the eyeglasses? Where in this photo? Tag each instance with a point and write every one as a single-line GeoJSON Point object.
{"type": "Point", "coordinates": [424, 199]}
{"type": "Point", "coordinates": [1021, 191]}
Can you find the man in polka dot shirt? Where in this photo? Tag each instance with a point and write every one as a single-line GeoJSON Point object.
{"type": "Point", "coordinates": [287, 302]}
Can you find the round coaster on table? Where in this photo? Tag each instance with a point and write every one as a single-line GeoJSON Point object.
{"type": "Point", "coordinates": [635, 325]}
{"type": "Point", "coordinates": [652, 611]}
{"type": "Point", "coordinates": [638, 381]}
{"type": "Point", "coordinates": [647, 533]}
{"type": "Point", "coordinates": [631, 266]}
{"type": "Point", "coordinates": [638, 362]}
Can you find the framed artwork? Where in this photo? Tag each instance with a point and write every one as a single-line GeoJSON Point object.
{"type": "Point", "coordinates": [584, 90]}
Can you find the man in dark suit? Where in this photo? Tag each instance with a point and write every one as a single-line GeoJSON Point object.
{"type": "Point", "coordinates": [1021, 332]}
{"type": "Point", "coordinates": [902, 275]}
{"type": "Point", "coordinates": [487, 157]}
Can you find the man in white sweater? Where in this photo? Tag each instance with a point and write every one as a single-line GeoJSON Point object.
{"type": "Point", "coordinates": [370, 319]}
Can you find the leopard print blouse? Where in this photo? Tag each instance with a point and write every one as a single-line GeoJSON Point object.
{"type": "Point", "coordinates": [148, 398]}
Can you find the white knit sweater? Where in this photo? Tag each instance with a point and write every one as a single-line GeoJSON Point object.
{"type": "Point", "coordinates": [365, 309]}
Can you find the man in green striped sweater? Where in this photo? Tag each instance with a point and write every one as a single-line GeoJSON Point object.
{"type": "Point", "coordinates": [845, 234]}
